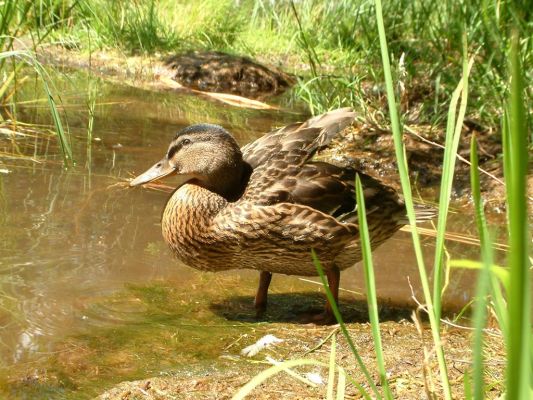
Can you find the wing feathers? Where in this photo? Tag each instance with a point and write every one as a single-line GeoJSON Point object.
{"type": "Point", "coordinates": [284, 172]}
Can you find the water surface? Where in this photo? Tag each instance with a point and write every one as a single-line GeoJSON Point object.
{"type": "Point", "coordinates": [90, 294]}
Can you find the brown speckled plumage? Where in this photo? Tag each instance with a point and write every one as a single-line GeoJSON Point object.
{"type": "Point", "coordinates": [270, 202]}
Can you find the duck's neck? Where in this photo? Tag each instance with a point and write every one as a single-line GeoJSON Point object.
{"type": "Point", "coordinates": [187, 219]}
{"type": "Point", "coordinates": [229, 181]}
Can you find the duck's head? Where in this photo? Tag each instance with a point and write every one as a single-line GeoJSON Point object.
{"type": "Point", "coordinates": [204, 154]}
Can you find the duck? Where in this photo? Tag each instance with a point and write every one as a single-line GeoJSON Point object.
{"type": "Point", "coordinates": [267, 205]}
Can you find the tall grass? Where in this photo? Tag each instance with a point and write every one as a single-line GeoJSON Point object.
{"type": "Point", "coordinates": [519, 357]}
{"type": "Point", "coordinates": [482, 290]}
{"type": "Point", "coordinates": [37, 19]}
{"type": "Point", "coordinates": [370, 283]}
{"type": "Point", "coordinates": [407, 193]}
{"type": "Point", "coordinates": [330, 44]}
{"type": "Point", "coordinates": [518, 339]}
{"type": "Point", "coordinates": [29, 59]}
{"type": "Point", "coordinates": [453, 134]}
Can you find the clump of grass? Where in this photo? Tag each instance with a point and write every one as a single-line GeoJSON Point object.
{"type": "Point", "coordinates": [37, 19]}
{"type": "Point", "coordinates": [27, 58]}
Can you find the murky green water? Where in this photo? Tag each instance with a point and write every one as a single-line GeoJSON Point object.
{"type": "Point", "coordinates": [90, 295]}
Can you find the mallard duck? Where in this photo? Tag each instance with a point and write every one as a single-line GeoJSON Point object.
{"type": "Point", "coordinates": [265, 206]}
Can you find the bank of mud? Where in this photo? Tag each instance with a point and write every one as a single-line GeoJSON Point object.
{"type": "Point", "coordinates": [411, 366]}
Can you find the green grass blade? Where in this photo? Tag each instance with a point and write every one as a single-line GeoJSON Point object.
{"type": "Point", "coordinates": [467, 386]}
{"type": "Point", "coordinates": [8, 80]}
{"type": "Point", "coordinates": [515, 152]}
{"type": "Point", "coordinates": [500, 273]}
{"type": "Point", "coordinates": [331, 373]}
{"type": "Point", "coordinates": [453, 134]}
{"type": "Point", "coordinates": [483, 278]}
{"type": "Point", "coordinates": [370, 282]}
{"type": "Point", "coordinates": [341, 385]}
{"type": "Point", "coordinates": [64, 142]}
{"type": "Point", "coordinates": [344, 330]}
{"type": "Point", "coordinates": [498, 298]}
{"type": "Point", "coordinates": [406, 190]}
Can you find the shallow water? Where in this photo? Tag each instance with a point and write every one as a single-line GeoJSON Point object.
{"type": "Point", "coordinates": [90, 294]}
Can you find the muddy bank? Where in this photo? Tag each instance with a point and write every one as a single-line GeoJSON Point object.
{"type": "Point", "coordinates": [411, 366]}
{"type": "Point", "coordinates": [213, 71]}
{"type": "Point", "coordinates": [237, 81]}
{"type": "Point", "coordinates": [370, 148]}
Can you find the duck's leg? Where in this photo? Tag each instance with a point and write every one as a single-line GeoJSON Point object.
{"type": "Point", "coordinates": [334, 277]}
{"type": "Point", "coordinates": [262, 293]}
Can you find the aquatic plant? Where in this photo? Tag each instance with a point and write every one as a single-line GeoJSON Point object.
{"type": "Point", "coordinates": [17, 19]}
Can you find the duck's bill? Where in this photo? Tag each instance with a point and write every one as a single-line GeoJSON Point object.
{"type": "Point", "coordinates": [158, 171]}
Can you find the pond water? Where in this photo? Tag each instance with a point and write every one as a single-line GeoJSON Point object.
{"type": "Point", "coordinates": [91, 296]}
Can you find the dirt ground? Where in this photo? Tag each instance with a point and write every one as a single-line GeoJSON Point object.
{"type": "Point", "coordinates": [410, 362]}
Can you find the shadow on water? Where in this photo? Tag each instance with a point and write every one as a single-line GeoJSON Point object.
{"type": "Point", "coordinates": [297, 308]}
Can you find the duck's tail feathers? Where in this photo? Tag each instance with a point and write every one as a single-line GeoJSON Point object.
{"type": "Point", "coordinates": [330, 124]}
{"type": "Point", "coordinates": [422, 213]}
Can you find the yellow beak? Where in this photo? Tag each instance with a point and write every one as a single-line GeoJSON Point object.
{"type": "Point", "coordinates": [157, 171]}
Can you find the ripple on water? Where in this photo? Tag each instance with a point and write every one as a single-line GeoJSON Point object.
{"type": "Point", "coordinates": [114, 311]}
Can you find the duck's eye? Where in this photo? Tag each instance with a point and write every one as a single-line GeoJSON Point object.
{"type": "Point", "coordinates": [175, 148]}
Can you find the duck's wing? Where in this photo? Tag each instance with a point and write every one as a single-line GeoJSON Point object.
{"type": "Point", "coordinates": [285, 172]}
{"type": "Point", "coordinates": [279, 159]}
{"type": "Point", "coordinates": [297, 142]}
